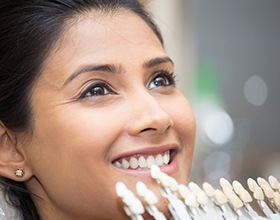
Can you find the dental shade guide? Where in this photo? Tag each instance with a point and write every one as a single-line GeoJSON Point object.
{"type": "Point", "coordinates": [166, 183]}
{"type": "Point", "coordinates": [191, 202]}
{"type": "Point", "coordinates": [274, 183]}
{"type": "Point", "coordinates": [132, 205]}
{"type": "Point", "coordinates": [150, 199]}
{"type": "Point", "coordinates": [245, 197]}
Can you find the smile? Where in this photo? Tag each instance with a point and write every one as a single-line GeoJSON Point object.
{"type": "Point", "coordinates": [143, 162]}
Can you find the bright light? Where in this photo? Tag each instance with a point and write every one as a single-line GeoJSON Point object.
{"type": "Point", "coordinates": [255, 90]}
{"type": "Point", "coordinates": [218, 127]}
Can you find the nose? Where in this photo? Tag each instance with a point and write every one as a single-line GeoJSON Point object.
{"type": "Point", "coordinates": [148, 116]}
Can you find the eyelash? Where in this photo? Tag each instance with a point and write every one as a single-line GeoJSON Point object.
{"type": "Point", "coordinates": [169, 79]}
{"type": "Point", "coordinates": [102, 88]}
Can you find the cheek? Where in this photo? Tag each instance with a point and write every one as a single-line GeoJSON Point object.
{"type": "Point", "coordinates": [183, 118]}
{"type": "Point", "coordinates": [72, 148]}
{"type": "Point", "coordinates": [77, 137]}
{"type": "Point", "coordinates": [185, 127]}
{"type": "Point", "coordinates": [77, 127]}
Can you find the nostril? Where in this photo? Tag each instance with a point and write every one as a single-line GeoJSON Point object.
{"type": "Point", "coordinates": [159, 125]}
{"type": "Point", "coordinates": [148, 129]}
{"type": "Point", "coordinates": [153, 122]}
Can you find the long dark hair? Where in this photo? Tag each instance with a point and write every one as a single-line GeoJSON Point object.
{"type": "Point", "coordinates": [28, 30]}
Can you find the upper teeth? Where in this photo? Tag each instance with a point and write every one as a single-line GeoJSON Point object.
{"type": "Point", "coordinates": [141, 162]}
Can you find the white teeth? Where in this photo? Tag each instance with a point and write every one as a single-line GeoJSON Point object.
{"type": "Point", "coordinates": [166, 158]}
{"type": "Point", "coordinates": [118, 164]}
{"type": "Point", "coordinates": [133, 162]}
{"type": "Point", "coordinates": [141, 162]}
{"type": "Point", "coordinates": [125, 164]}
{"type": "Point", "coordinates": [150, 161]}
{"type": "Point", "coordinates": [159, 160]}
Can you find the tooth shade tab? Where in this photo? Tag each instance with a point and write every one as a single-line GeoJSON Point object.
{"type": "Point", "coordinates": [128, 197]}
{"type": "Point", "coordinates": [136, 206]}
{"type": "Point", "coordinates": [258, 193]}
{"type": "Point", "coordinates": [141, 188]}
{"type": "Point", "coordinates": [194, 188]}
{"type": "Point", "coordinates": [164, 180]}
{"type": "Point", "coordinates": [174, 185]}
{"type": "Point", "coordinates": [133, 206]}
{"type": "Point", "coordinates": [202, 197]}
{"type": "Point", "coordinates": [150, 197]}
{"type": "Point", "coordinates": [208, 189]}
{"type": "Point", "coordinates": [220, 197]}
{"type": "Point", "coordinates": [268, 191]}
{"type": "Point", "coordinates": [191, 201]}
{"type": "Point", "coordinates": [155, 171]}
{"type": "Point", "coordinates": [225, 183]}
{"type": "Point", "coordinates": [183, 190]}
{"type": "Point", "coordinates": [245, 196]}
{"type": "Point", "coordinates": [228, 192]}
{"type": "Point", "coordinates": [121, 189]}
{"type": "Point", "coordinates": [276, 199]}
{"type": "Point", "coordinates": [262, 182]}
{"type": "Point", "coordinates": [236, 202]}
{"type": "Point", "coordinates": [274, 183]}
{"type": "Point", "coordinates": [237, 186]}
{"type": "Point", "coordinates": [252, 184]}
{"type": "Point", "coordinates": [146, 193]}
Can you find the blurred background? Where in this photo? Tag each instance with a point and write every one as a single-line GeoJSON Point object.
{"type": "Point", "coordinates": [227, 56]}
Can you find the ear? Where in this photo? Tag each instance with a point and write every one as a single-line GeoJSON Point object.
{"type": "Point", "coordinates": [12, 157]}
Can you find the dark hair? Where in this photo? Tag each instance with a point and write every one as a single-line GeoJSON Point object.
{"type": "Point", "coordinates": [28, 30]}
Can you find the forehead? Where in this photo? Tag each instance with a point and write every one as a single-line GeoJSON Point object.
{"type": "Point", "coordinates": [101, 37]}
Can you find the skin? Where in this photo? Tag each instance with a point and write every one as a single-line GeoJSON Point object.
{"type": "Point", "coordinates": [68, 160]}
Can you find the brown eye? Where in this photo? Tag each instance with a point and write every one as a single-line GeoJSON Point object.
{"type": "Point", "coordinates": [162, 79]}
{"type": "Point", "coordinates": [97, 89]}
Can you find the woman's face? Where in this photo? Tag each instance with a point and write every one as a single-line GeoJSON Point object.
{"type": "Point", "coordinates": [105, 100]}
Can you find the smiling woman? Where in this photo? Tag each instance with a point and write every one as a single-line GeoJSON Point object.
{"type": "Point", "coordinates": [88, 97]}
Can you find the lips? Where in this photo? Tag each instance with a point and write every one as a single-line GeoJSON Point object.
{"type": "Point", "coordinates": [143, 161]}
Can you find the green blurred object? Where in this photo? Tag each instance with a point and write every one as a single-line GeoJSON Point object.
{"type": "Point", "coordinates": [206, 81]}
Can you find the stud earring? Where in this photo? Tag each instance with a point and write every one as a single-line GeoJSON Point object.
{"type": "Point", "coordinates": [19, 172]}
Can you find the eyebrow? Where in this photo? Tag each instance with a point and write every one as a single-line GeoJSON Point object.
{"type": "Point", "coordinates": [113, 68]}
{"type": "Point", "coordinates": [157, 61]}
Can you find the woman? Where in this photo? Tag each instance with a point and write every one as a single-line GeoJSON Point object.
{"type": "Point", "coordinates": [87, 98]}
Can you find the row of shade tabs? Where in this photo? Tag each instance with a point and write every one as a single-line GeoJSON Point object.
{"type": "Point", "coordinates": [231, 201]}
